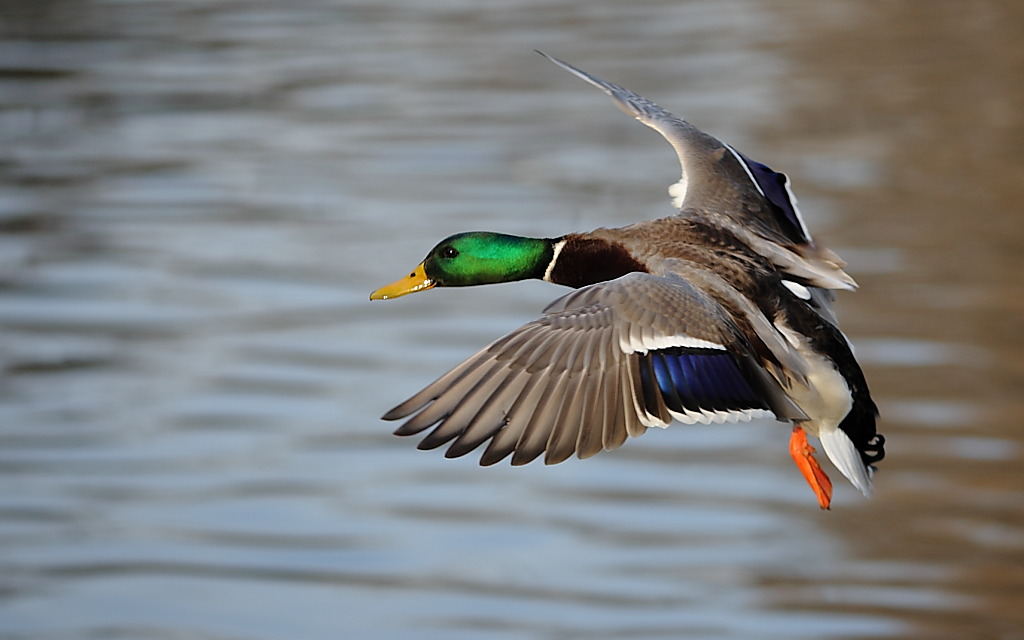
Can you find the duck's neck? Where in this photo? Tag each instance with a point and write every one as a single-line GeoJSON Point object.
{"type": "Point", "coordinates": [579, 260]}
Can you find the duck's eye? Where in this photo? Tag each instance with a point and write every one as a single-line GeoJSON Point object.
{"type": "Point", "coordinates": [449, 252]}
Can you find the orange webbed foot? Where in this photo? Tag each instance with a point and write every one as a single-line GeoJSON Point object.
{"type": "Point", "coordinates": [803, 456]}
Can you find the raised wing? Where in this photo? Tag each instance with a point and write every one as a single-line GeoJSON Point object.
{"type": "Point", "coordinates": [751, 199]}
{"type": "Point", "coordinates": [603, 363]}
{"type": "Point", "coordinates": [713, 173]}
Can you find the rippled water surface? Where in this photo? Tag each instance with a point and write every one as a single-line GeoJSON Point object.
{"type": "Point", "coordinates": [197, 197]}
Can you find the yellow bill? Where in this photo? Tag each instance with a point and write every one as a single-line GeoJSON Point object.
{"type": "Point", "coordinates": [415, 281]}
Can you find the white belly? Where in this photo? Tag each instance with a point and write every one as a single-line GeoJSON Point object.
{"type": "Point", "coordinates": [826, 399]}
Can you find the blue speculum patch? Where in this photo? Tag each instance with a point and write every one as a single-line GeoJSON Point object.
{"type": "Point", "coordinates": [697, 380]}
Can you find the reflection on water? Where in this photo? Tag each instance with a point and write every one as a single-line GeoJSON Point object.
{"type": "Point", "coordinates": [196, 200]}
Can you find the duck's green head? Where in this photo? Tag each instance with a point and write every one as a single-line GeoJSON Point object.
{"type": "Point", "coordinates": [477, 257]}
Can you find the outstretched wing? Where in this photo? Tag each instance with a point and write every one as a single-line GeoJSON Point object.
{"type": "Point", "coordinates": [751, 199]}
{"type": "Point", "coordinates": [603, 363]}
{"type": "Point", "coordinates": [712, 171]}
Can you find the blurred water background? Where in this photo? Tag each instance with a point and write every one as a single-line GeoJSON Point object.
{"type": "Point", "coordinates": [196, 199]}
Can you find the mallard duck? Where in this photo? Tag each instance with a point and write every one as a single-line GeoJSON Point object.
{"type": "Point", "coordinates": [721, 312]}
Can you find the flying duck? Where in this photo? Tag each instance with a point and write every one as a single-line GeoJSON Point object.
{"type": "Point", "coordinates": [719, 313]}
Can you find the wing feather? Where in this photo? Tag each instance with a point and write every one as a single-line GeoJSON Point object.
{"type": "Point", "coordinates": [519, 416]}
{"type": "Point", "coordinates": [600, 395]}
{"type": "Point", "coordinates": [566, 429]}
{"type": "Point", "coordinates": [584, 377]}
{"type": "Point", "coordinates": [492, 415]}
{"type": "Point", "coordinates": [465, 410]}
{"type": "Point", "coordinates": [537, 432]}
